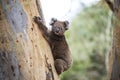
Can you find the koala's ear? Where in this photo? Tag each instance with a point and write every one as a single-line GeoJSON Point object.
{"type": "Point", "coordinates": [66, 25]}
{"type": "Point", "coordinates": [53, 20]}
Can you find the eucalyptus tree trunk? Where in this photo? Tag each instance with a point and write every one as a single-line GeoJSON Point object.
{"type": "Point", "coordinates": [114, 58]}
{"type": "Point", "coordinates": [24, 53]}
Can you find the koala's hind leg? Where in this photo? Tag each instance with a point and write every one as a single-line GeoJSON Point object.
{"type": "Point", "coordinates": [60, 66]}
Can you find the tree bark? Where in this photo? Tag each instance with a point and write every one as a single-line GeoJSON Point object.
{"type": "Point", "coordinates": [24, 53]}
{"type": "Point", "coordinates": [114, 57]}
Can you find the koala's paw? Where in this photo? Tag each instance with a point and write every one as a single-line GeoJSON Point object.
{"type": "Point", "coordinates": [37, 19]}
{"type": "Point", "coordinates": [60, 66]}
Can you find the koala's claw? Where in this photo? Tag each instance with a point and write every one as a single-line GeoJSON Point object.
{"type": "Point", "coordinates": [37, 19]}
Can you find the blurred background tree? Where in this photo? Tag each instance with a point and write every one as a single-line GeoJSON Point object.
{"type": "Point", "coordinates": [89, 38]}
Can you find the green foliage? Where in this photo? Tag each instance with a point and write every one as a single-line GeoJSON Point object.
{"type": "Point", "coordinates": [89, 43]}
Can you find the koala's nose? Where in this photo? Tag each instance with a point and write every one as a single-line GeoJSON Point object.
{"type": "Point", "coordinates": [57, 30]}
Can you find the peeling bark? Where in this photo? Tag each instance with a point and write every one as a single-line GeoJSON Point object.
{"type": "Point", "coordinates": [24, 53]}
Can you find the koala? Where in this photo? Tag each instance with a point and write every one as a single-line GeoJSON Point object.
{"type": "Point", "coordinates": [56, 39]}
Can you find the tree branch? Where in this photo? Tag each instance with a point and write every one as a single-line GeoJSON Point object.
{"type": "Point", "coordinates": [40, 10]}
{"type": "Point", "coordinates": [110, 4]}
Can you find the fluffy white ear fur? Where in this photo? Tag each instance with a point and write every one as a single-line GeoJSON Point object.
{"type": "Point", "coordinates": [53, 20]}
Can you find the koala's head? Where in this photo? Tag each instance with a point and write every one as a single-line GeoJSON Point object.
{"type": "Point", "coordinates": [59, 27]}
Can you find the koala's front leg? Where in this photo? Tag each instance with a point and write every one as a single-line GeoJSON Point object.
{"type": "Point", "coordinates": [40, 24]}
{"type": "Point", "coordinates": [60, 66]}
{"type": "Point", "coordinates": [42, 27]}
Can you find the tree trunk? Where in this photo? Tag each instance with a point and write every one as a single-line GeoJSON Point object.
{"type": "Point", "coordinates": [114, 58]}
{"type": "Point", "coordinates": [24, 53]}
